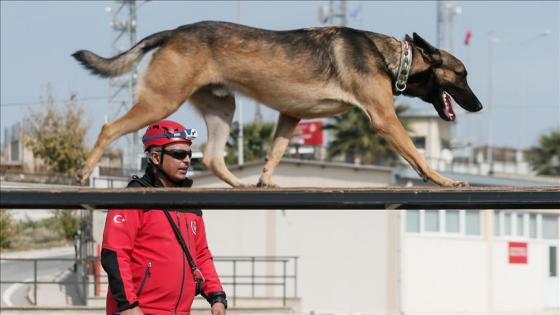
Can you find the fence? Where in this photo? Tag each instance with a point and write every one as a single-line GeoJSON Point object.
{"type": "Point", "coordinates": [253, 272]}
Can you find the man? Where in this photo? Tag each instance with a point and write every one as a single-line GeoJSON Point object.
{"type": "Point", "coordinates": [156, 260]}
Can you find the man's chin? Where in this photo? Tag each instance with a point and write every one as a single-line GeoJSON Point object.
{"type": "Point", "coordinates": [180, 176]}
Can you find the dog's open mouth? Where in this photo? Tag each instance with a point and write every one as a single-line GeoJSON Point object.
{"type": "Point", "coordinates": [447, 106]}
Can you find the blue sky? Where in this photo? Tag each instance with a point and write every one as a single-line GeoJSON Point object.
{"type": "Point", "coordinates": [37, 39]}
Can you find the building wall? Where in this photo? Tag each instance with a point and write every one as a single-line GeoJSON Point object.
{"type": "Point", "coordinates": [344, 256]}
{"type": "Point", "coordinates": [522, 288]}
{"type": "Point", "coordinates": [444, 276]}
{"type": "Point", "coordinates": [455, 273]}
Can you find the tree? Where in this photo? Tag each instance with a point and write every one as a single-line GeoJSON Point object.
{"type": "Point", "coordinates": [57, 136]}
{"type": "Point", "coordinates": [257, 138]}
{"type": "Point", "coordinates": [67, 222]}
{"type": "Point", "coordinates": [7, 228]}
{"type": "Point", "coordinates": [356, 140]}
{"type": "Point", "coordinates": [545, 158]}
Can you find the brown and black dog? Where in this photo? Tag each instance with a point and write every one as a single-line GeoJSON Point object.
{"type": "Point", "coordinates": [305, 73]}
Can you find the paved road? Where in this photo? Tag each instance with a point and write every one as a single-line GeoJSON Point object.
{"type": "Point", "coordinates": [16, 294]}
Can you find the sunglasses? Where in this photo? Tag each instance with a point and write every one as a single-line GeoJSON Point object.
{"type": "Point", "coordinates": [177, 154]}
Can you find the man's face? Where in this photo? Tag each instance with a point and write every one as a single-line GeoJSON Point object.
{"type": "Point", "coordinates": [175, 167]}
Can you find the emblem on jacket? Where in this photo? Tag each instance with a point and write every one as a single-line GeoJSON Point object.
{"type": "Point", "coordinates": [119, 219]}
{"type": "Point", "coordinates": [193, 227]}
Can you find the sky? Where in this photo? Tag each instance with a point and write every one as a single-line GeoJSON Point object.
{"type": "Point", "coordinates": [38, 37]}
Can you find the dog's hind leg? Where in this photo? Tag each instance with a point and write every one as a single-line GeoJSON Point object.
{"type": "Point", "coordinates": [139, 116]}
{"type": "Point", "coordinates": [168, 81]}
{"type": "Point", "coordinates": [218, 115]}
{"type": "Point", "coordinates": [284, 131]}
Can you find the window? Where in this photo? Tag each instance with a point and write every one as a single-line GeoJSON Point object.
{"type": "Point", "coordinates": [507, 223]}
{"type": "Point", "coordinates": [431, 223]}
{"type": "Point", "coordinates": [472, 226]}
{"type": "Point", "coordinates": [552, 258]}
{"type": "Point", "coordinates": [413, 221]}
{"type": "Point", "coordinates": [444, 222]}
{"type": "Point", "coordinates": [419, 142]}
{"type": "Point", "coordinates": [496, 223]}
{"type": "Point", "coordinates": [549, 226]}
{"type": "Point", "coordinates": [532, 225]}
{"type": "Point", "coordinates": [520, 224]}
{"type": "Point", "coordinates": [452, 221]}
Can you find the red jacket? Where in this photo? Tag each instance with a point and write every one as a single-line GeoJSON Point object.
{"type": "Point", "coordinates": [146, 265]}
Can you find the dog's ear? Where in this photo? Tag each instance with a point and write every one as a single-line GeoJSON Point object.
{"type": "Point", "coordinates": [426, 49]}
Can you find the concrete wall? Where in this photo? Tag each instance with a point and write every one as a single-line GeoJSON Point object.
{"type": "Point", "coordinates": [343, 255]}
{"type": "Point", "coordinates": [444, 275]}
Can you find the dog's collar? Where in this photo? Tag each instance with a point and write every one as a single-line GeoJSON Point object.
{"type": "Point", "coordinates": [404, 67]}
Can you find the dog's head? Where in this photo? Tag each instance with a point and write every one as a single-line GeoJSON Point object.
{"type": "Point", "coordinates": [441, 78]}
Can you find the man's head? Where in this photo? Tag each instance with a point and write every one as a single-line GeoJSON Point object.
{"type": "Point", "coordinates": [173, 159]}
{"type": "Point", "coordinates": [168, 148]}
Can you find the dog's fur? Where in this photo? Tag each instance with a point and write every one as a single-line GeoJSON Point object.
{"type": "Point", "coordinates": [305, 73]}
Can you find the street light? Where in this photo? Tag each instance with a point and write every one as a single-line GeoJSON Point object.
{"type": "Point", "coordinates": [493, 40]}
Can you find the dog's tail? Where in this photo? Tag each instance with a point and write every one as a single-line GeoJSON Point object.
{"type": "Point", "coordinates": [124, 62]}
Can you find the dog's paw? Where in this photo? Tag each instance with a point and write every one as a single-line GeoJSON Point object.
{"type": "Point", "coordinates": [262, 184]}
{"type": "Point", "coordinates": [242, 185]}
{"type": "Point", "coordinates": [79, 176]}
{"type": "Point", "coordinates": [459, 184]}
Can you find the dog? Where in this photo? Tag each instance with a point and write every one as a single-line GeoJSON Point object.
{"type": "Point", "coordinates": [304, 73]}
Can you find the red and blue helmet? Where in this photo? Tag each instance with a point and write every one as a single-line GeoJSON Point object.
{"type": "Point", "coordinates": [165, 132]}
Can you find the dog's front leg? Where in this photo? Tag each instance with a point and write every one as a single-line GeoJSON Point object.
{"type": "Point", "coordinates": [284, 130]}
{"type": "Point", "coordinates": [398, 137]}
{"type": "Point", "coordinates": [386, 122]}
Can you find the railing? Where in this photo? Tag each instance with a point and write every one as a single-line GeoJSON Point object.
{"type": "Point", "coordinates": [253, 279]}
{"type": "Point", "coordinates": [80, 270]}
{"type": "Point", "coordinates": [253, 272]}
{"type": "Point", "coordinates": [545, 197]}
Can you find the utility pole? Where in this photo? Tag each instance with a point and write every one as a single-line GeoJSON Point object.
{"type": "Point", "coordinates": [334, 14]}
{"type": "Point", "coordinates": [240, 141]}
{"type": "Point", "coordinates": [446, 11]}
{"type": "Point", "coordinates": [122, 89]}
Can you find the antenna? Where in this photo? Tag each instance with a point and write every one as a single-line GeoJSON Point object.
{"type": "Point", "coordinates": [122, 89]}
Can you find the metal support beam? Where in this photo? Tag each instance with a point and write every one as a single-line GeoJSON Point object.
{"type": "Point", "coordinates": [547, 197]}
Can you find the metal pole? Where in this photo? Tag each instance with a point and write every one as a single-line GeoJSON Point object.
{"type": "Point", "coordinates": [234, 281]}
{"type": "Point", "coordinates": [295, 276]}
{"type": "Point", "coordinates": [240, 153]}
{"type": "Point", "coordinates": [253, 276]}
{"type": "Point", "coordinates": [284, 282]}
{"type": "Point", "coordinates": [35, 281]}
{"type": "Point", "coordinates": [491, 41]}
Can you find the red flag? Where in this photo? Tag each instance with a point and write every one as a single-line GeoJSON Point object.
{"type": "Point", "coordinates": [468, 38]}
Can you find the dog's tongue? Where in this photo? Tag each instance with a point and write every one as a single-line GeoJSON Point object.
{"type": "Point", "coordinates": [448, 108]}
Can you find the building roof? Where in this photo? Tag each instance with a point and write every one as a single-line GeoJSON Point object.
{"type": "Point", "coordinates": [407, 173]}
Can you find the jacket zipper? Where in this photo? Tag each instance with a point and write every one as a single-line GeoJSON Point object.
{"type": "Point", "coordinates": [183, 273]}
{"type": "Point", "coordinates": [147, 274]}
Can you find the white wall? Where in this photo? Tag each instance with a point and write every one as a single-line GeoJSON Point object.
{"type": "Point", "coordinates": [444, 275]}
{"type": "Point", "coordinates": [522, 287]}
{"type": "Point", "coordinates": [342, 254]}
